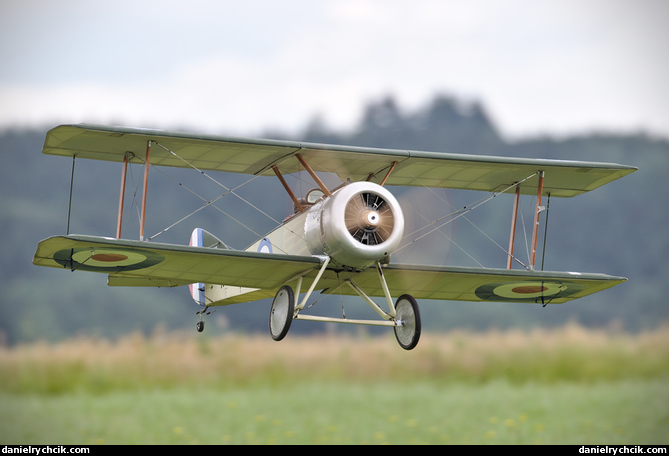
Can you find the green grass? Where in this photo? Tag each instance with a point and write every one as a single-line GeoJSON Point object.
{"type": "Point", "coordinates": [566, 386]}
{"type": "Point", "coordinates": [629, 412]}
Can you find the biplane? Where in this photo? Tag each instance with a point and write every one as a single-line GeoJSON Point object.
{"type": "Point", "coordinates": [337, 241]}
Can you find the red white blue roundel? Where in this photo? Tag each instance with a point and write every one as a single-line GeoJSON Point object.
{"type": "Point", "coordinates": [537, 291]}
{"type": "Point", "coordinates": [107, 259]}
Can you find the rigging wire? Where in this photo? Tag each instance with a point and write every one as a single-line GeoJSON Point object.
{"type": "Point", "coordinates": [135, 187]}
{"type": "Point", "coordinates": [211, 202]}
{"type": "Point", "coordinates": [472, 224]}
{"type": "Point", "coordinates": [452, 241]}
{"type": "Point", "coordinates": [461, 213]}
{"type": "Point", "coordinates": [543, 252]}
{"type": "Point", "coordinates": [220, 184]}
{"type": "Point", "coordinates": [206, 204]}
{"type": "Point", "coordinates": [448, 217]}
{"type": "Point", "coordinates": [69, 210]}
{"type": "Point", "coordinates": [522, 221]}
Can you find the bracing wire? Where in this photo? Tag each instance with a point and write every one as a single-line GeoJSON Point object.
{"type": "Point", "coordinates": [69, 208]}
{"type": "Point", "coordinates": [135, 187]}
{"type": "Point", "coordinates": [543, 253]}
{"type": "Point", "coordinates": [522, 218]}
{"type": "Point", "coordinates": [220, 184]}
{"type": "Point", "coordinates": [435, 225]}
{"type": "Point", "coordinates": [211, 202]}
{"type": "Point", "coordinates": [451, 240]}
{"type": "Point", "coordinates": [461, 213]}
{"type": "Point", "coordinates": [206, 204]}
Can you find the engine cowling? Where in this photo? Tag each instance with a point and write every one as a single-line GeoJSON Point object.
{"type": "Point", "coordinates": [360, 224]}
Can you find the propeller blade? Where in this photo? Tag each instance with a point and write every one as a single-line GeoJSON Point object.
{"type": "Point", "coordinates": [369, 218]}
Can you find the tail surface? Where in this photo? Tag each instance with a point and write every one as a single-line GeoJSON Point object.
{"type": "Point", "coordinates": [202, 238]}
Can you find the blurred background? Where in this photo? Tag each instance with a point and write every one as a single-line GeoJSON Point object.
{"type": "Point", "coordinates": [555, 79]}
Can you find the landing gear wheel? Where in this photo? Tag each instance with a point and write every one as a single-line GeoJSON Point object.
{"type": "Point", "coordinates": [199, 326]}
{"type": "Point", "coordinates": [408, 317]}
{"type": "Point", "coordinates": [281, 315]}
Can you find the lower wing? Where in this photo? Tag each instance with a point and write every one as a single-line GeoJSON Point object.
{"type": "Point", "coordinates": [138, 263]}
{"type": "Point", "coordinates": [479, 284]}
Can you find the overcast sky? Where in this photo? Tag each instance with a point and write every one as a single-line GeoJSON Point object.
{"type": "Point", "coordinates": [538, 66]}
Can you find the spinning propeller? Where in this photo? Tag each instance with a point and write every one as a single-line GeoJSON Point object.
{"type": "Point", "coordinates": [369, 218]}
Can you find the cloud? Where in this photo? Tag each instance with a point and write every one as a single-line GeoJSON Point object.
{"type": "Point", "coordinates": [240, 67]}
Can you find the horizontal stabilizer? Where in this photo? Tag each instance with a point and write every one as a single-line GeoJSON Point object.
{"type": "Point", "coordinates": [203, 238]}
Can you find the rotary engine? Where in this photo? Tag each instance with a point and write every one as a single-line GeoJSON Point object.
{"type": "Point", "coordinates": [360, 224]}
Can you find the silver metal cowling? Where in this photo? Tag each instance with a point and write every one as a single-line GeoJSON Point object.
{"type": "Point", "coordinates": [360, 224]}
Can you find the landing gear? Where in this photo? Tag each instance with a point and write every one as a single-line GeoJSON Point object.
{"type": "Point", "coordinates": [403, 316]}
{"type": "Point", "coordinates": [281, 314]}
{"type": "Point", "coordinates": [200, 324]}
{"type": "Point", "coordinates": [407, 319]}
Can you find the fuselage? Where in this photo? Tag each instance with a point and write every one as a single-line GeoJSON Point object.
{"type": "Point", "coordinates": [359, 225]}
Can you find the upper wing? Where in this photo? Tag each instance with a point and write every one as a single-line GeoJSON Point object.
{"type": "Point", "coordinates": [153, 264]}
{"type": "Point", "coordinates": [477, 284]}
{"type": "Point", "coordinates": [257, 156]}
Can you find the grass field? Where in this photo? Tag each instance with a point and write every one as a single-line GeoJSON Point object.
{"type": "Point", "coordinates": [567, 386]}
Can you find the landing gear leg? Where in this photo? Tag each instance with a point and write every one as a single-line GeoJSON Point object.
{"type": "Point", "coordinates": [200, 324]}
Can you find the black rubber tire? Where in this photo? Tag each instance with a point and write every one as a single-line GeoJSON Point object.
{"type": "Point", "coordinates": [281, 313]}
{"type": "Point", "coordinates": [408, 333]}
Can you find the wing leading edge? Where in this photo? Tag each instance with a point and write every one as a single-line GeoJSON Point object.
{"type": "Point", "coordinates": [563, 178]}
